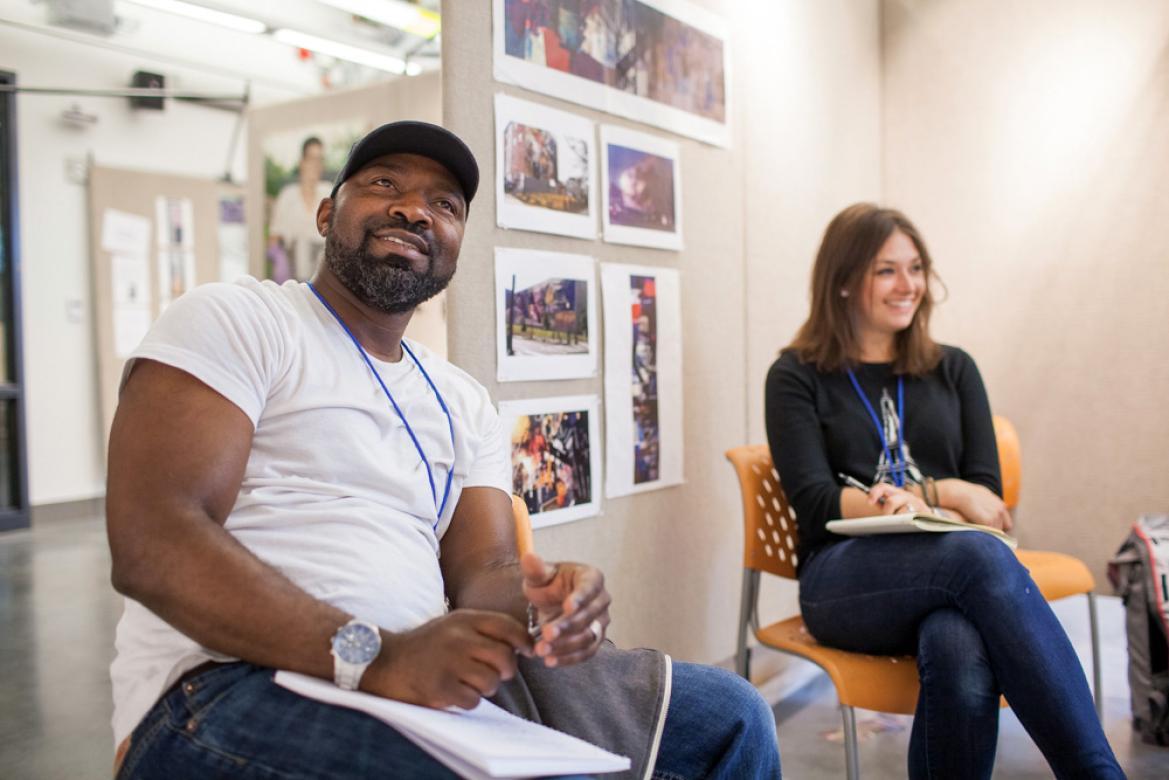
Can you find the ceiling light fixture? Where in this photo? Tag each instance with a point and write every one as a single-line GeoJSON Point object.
{"type": "Point", "coordinates": [204, 14]}
{"type": "Point", "coordinates": [394, 13]}
{"type": "Point", "coordinates": [343, 51]}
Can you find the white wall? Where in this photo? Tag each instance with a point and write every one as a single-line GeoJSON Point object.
{"type": "Point", "coordinates": [1030, 143]}
{"type": "Point", "coordinates": [65, 448]}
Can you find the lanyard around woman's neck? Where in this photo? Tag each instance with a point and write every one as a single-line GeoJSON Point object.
{"type": "Point", "coordinates": [897, 461]}
{"type": "Point", "coordinates": [439, 507]}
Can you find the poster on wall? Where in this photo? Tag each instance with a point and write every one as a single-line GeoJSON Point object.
{"type": "Point", "coordinates": [662, 62]}
{"type": "Point", "coordinates": [233, 238]}
{"type": "Point", "coordinates": [555, 456]}
{"type": "Point", "coordinates": [126, 237]}
{"type": "Point", "coordinates": [299, 167]}
{"type": "Point", "coordinates": [175, 227]}
{"type": "Point", "coordinates": [545, 315]}
{"type": "Point", "coordinates": [643, 378]}
{"type": "Point", "coordinates": [642, 189]}
{"type": "Point", "coordinates": [545, 169]}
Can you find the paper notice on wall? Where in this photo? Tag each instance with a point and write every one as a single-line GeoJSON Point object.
{"type": "Point", "coordinates": [125, 233]}
{"type": "Point", "coordinates": [233, 239]}
{"type": "Point", "coordinates": [130, 327]}
{"type": "Point", "coordinates": [176, 247]}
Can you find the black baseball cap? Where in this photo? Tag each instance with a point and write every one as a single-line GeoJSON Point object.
{"type": "Point", "coordinates": [410, 137]}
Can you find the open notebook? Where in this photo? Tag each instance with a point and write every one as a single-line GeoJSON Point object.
{"type": "Point", "coordinates": [911, 524]}
{"type": "Point", "coordinates": [482, 743]}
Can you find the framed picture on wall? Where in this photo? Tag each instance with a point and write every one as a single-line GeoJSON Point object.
{"type": "Point", "coordinates": [545, 169]}
{"type": "Point", "coordinates": [643, 378]}
{"type": "Point", "coordinates": [545, 311]}
{"type": "Point", "coordinates": [662, 62]}
{"type": "Point", "coordinates": [555, 456]}
{"type": "Point", "coordinates": [641, 186]}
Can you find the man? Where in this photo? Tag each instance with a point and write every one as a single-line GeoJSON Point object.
{"type": "Point", "coordinates": [288, 475]}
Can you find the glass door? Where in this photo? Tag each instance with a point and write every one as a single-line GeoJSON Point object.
{"type": "Point", "coordinates": [13, 467]}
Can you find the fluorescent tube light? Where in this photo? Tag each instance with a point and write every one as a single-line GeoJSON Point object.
{"type": "Point", "coordinates": [204, 14]}
{"type": "Point", "coordinates": [395, 13]}
{"type": "Point", "coordinates": [343, 51]}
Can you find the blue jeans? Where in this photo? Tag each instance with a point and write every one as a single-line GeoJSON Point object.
{"type": "Point", "coordinates": [234, 721]}
{"type": "Point", "coordinates": [970, 612]}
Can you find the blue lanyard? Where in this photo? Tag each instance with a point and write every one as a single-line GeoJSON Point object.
{"type": "Point", "coordinates": [897, 464]}
{"type": "Point", "coordinates": [446, 493]}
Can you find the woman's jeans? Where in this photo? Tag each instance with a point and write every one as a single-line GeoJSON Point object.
{"type": "Point", "coordinates": [234, 721]}
{"type": "Point", "coordinates": [964, 605]}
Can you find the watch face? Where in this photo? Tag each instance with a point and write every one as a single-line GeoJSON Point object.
{"type": "Point", "coordinates": [356, 643]}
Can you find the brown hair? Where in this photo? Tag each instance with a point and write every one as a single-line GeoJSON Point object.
{"type": "Point", "coordinates": [850, 244]}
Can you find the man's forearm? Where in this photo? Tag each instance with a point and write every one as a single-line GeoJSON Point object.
{"type": "Point", "coordinates": [194, 575]}
{"type": "Point", "coordinates": [497, 588]}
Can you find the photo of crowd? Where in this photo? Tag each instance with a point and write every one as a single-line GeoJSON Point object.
{"type": "Point", "coordinates": [641, 189]}
{"type": "Point", "coordinates": [646, 430]}
{"type": "Point", "coordinates": [550, 460]}
{"type": "Point", "coordinates": [627, 45]}
{"type": "Point", "coordinates": [542, 172]}
{"type": "Point", "coordinates": [547, 318]}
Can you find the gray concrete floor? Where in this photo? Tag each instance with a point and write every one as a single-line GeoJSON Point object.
{"type": "Point", "coordinates": [57, 617]}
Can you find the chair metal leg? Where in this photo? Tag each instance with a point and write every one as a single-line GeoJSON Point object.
{"type": "Point", "coordinates": [1097, 692]}
{"type": "Point", "coordinates": [851, 760]}
{"type": "Point", "coordinates": [748, 595]}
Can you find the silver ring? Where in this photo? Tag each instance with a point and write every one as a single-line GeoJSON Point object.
{"type": "Point", "coordinates": [598, 631]}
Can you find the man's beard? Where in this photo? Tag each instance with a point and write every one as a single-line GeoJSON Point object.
{"type": "Point", "coordinates": [384, 283]}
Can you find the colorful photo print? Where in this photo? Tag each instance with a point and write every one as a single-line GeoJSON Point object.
{"type": "Point", "coordinates": [545, 169]}
{"type": "Point", "coordinates": [644, 360]}
{"type": "Point", "coordinates": [642, 189]}
{"type": "Point", "coordinates": [643, 378]}
{"type": "Point", "coordinates": [299, 167]}
{"type": "Point", "coordinates": [555, 456]}
{"type": "Point", "coordinates": [663, 62]}
{"type": "Point", "coordinates": [546, 315]}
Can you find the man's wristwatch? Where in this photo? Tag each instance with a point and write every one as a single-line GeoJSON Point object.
{"type": "Point", "coordinates": [355, 645]}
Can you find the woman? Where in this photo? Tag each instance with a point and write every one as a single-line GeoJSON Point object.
{"type": "Point", "coordinates": [863, 391]}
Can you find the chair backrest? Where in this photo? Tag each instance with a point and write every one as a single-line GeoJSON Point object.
{"type": "Point", "coordinates": [769, 523]}
{"type": "Point", "coordinates": [1010, 460]}
{"type": "Point", "coordinates": [523, 525]}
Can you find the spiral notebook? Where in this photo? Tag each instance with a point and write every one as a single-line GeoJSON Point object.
{"type": "Point", "coordinates": [912, 524]}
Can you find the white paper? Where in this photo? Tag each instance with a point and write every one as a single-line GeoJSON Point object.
{"type": "Point", "coordinates": [130, 327]}
{"type": "Point", "coordinates": [555, 456]}
{"type": "Point", "coordinates": [233, 239]}
{"type": "Point", "coordinates": [175, 223]}
{"type": "Point", "coordinates": [545, 169]}
{"type": "Point", "coordinates": [643, 365]}
{"type": "Point", "coordinates": [480, 743]}
{"type": "Point", "coordinates": [699, 77]}
{"type": "Point", "coordinates": [553, 319]}
{"type": "Point", "coordinates": [641, 185]}
{"type": "Point", "coordinates": [124, 233]}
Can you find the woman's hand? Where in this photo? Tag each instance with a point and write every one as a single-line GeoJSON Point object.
{"type": "Point", "coordinates": [975, 503]}
{"type": "Point", "coordinates": [888, 499]}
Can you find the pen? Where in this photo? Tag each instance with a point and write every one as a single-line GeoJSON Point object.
{"type": "Point", "coordinates": [856, 483]}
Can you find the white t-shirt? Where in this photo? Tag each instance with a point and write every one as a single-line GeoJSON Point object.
{"type": "Point", "coordinates": [334, 495]}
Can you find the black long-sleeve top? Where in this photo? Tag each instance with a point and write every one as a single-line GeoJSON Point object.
{"type": "Point", "coordinates": [818, 427]}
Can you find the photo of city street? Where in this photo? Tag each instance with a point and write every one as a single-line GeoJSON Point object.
{"type": "Point", "coordinates": [548, 318]}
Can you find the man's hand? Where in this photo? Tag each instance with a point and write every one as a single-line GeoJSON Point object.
{"type": "Point", "coordinates": [569, 598]}
{"type": "Point", "coordinates": [455, 659]}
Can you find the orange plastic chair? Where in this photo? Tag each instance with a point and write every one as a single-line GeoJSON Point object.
{"type": "Point", "coordinates": [1057, 574]}
{"type": "Point", "coordinates": [523, 525]}
{"type": "Point", "coordinates": [881, 683]}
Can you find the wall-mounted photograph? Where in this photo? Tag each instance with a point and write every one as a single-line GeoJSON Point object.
{"type": "Point", "coordinates": [643, 378]}
{"type": "Point", "coordinates": [662, 62]}
{"type": "Point", "coordinates": [555, 456]}
{"type": "Point", "coordinates": [299, 166]}
{"type": "Point", "coordinates": [545, 310]}
{"type": "Point", "coordinates": [641, 185]}
{"type": "Point", "coordinates": [545, 169]}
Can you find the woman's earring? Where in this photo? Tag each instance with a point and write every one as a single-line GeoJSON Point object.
{"type": "Point", "coordinates": [844, 293]}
